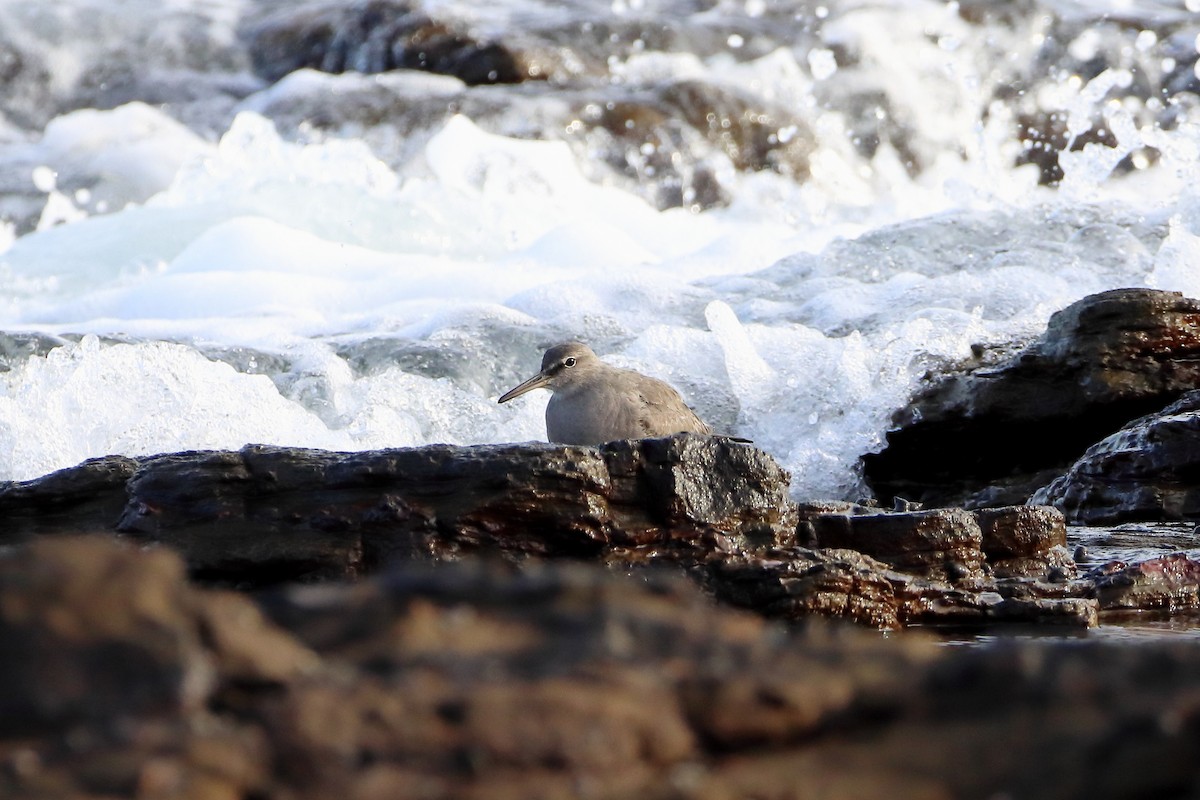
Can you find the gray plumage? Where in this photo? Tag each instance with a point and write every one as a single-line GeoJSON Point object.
{"type": "Point", "coordinates": [594, 402]}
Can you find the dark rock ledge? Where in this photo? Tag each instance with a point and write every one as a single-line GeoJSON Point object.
{"type": "Point", "coordinates": [262, 515]}
{"type": "Point", "coordinates": [1149, 470]}
{"type": "Point", "coordinates": [120, 678]}
{"type": "Point", "coordinates": [715, 510]}
{"type": "Point", "coordinates": [996, 430]}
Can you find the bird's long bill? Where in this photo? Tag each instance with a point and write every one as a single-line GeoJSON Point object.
{"type": "Point", "coordinates": [536, 382]}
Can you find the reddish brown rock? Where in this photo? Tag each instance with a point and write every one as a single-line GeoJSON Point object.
{"type": "Point", "coordinates": [709, 507]}
{"type": "Point", "coordinates": [1025, 541]}
{"type": "Point", "coordinates": [1020, 531]}
{"type": "Point", "coordinates": [485, 680]}
{"type": "Point", "coordinates": [799, 584]}
{"type": "Point", "coordinates": [1170, 583]}
{"type": "Point", "coordinates": [941, 543]}
{"type": "Point", "coordinates": [244, 646]}
{"type": "Point", "coordinates": [84, 627]}
{"type": "Point", "coordinates": [106, 677]}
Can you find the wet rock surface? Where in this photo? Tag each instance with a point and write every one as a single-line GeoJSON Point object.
{"type": "Point", "coordinates": [494, 680]}
{"type": "Point", "coordinates": [1171, 582]}
{"type": "Point", "coordinates": [938, 543]}
{"type": "Point", "coordinates": [84, 498]}
{"type": "Point", "coordinates": [652, 618]}
{"type": "Point", "coordinates": [1024, 540]}
{"type": "Point", "coordinates": [702, 506]}
{"type": "Point", "coordinates": [993, 436]}
{"type": "Point", "coordinates": [799, 583]}
{"type": "Point", "coordinates": [1149, 470]}
{"type": "Point", "coordinates": [263, 515]}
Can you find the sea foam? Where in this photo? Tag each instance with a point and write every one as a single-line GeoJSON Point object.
{"type": "Point", "coordinates": [305, 290]}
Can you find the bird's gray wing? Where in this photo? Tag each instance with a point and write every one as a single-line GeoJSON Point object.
{"type": "Point", "coordinates": [665, 412]}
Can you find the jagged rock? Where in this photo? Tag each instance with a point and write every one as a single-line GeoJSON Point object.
{"type": "Point", "coordinates": [506, 680]}
{"type": "Point", "coordinates": [686, 483]}
{"type": "Point", "coordinates": [994, 435]}
{"type": "Point", "coordinates": [706, 506]}
{"type": "Point", "coordinates": [86, 497]}
{"type": "Point", "coordinates": [264, 515]}
{"type": "Point", "coordinates": [1171, 583]}
{"type": "Point", "coordinates": [798, 584]}
{"type": "Point", "coordinates": [807, 511]}
{"type": "Point", "coordinates": [941, 543]}
{"type": "Point", "coordinates": [1025, 541]}
{"type": "Point", "coordinates": [1020, 531]}
{"type": "Point", "coordinates": [1056, 565]}
{"type": "Point", "coordinates": [1149, 470]}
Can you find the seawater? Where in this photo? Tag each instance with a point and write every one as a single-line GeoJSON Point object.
{"type": "Point", "coordinates": [222, 278]}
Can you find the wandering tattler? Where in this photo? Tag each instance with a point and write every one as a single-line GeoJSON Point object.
{"type": "Point", "coordinates": [594, 402]}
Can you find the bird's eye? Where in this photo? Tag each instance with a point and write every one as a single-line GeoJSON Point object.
{"type": "Point", "coordinates": [569, 361]}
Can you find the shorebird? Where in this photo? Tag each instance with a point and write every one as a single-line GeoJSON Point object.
{"type": "Point", "coordinates": [594, 402]}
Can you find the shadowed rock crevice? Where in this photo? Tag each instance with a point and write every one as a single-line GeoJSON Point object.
{"type": "Point", "coordinates": [990, 459]}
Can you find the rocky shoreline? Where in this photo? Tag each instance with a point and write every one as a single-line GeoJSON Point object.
{"type": "Point", "coordinates": [654, 618]}
{"type": "Point", "coordinates": [704, 507]}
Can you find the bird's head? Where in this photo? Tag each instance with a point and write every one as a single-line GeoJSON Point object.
{"type": "Point", "coordinates": [561, 365]}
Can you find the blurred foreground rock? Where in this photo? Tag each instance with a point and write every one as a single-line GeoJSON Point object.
{"type": "Point", "coordinates": [996, 434]}
{"type": "Point", "coordinates": [547, 679]}
{"type": "Point", "coordinates": [380, 35]}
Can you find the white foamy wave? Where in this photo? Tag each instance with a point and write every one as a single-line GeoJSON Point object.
{"type": "Point", "coordinates": [387, 291]}
{"type": "Point", "coordinates": [290, 248]}
{"type": "Point", "coordinates": [89, 400]}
